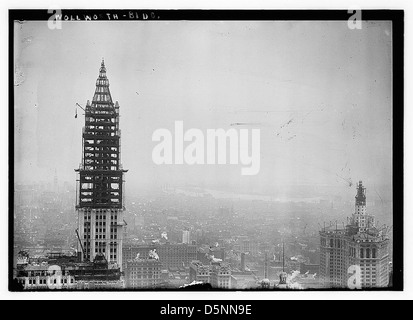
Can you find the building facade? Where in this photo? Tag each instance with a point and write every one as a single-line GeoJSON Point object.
{"type": "Point", "coordinates": [66, 273]}
{"type": "Point", "coordinates": [199, 272]}
{"type": "Point", "coordinates": [333, 258]}
{"type": "Point", "coordinates": [246, 245]}
{"type": "Point", "coordinates": [220, 275]}
{"type": "Point", "coordinates": [143, 273]}
{"type": "Point", "coordinates": [371, 253]}
{"type": "Point", "coordinates": [45, 277]}
{"type": "Point", "coordinates": [360, 245]}
{"type": "Point", "coordinates": [186, 236]}
{"type": "Point", "coordinates": [100, 178]}
{"type": "Point", "coordinates": [170, 255]}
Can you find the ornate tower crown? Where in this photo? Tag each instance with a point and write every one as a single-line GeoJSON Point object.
{"type": "Point", "coordinates": [101, 173]}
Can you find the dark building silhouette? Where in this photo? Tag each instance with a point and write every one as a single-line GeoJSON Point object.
{"type": "Point", "coordinates": [100, 178]}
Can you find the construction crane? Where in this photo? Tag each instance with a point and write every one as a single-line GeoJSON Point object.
{"type": "Point", "coordinates": [80, 106]}
{"type": "Point", "coordinates": [81, 246]}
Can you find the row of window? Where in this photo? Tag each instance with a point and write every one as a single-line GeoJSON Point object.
{"type": "Point", "coordinates": [140, 276]}
{"type": "Point", "coordinates": [102, 89]}
{"type": "Point", "coordinates": [98, 211]}
{"type": "Point", "coordinates": [143, 268]}
{"type": "Point", "coordinates": [101, 126]}
{"type": "Point", "coordinates": [97, 120]}
{"type": "Point", "coordinates": [102, 81]}
{"type": "Point", "coordinates": [368, 253]}
{"type": "Point", "coordinates": [101, 217]}
{"type": "Point", "coordinates": [43, 281]}
{"type": "Point", "coordinates": [363, 253]}
{"type": "Point", "coordinates": [101, 133]}
{"type": "Point", "coordinates": [334, 243]}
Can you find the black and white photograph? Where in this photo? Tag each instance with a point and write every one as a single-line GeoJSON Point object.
{"type": "Point", "coordinates": [205, 150]}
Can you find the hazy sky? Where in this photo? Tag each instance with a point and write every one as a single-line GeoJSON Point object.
{"type": "Point", "coordinates": [333, 82]}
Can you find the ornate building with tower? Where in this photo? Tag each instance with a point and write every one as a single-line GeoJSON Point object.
{"type": "Point", "coordinates": [361, 245]}
{"type": "Point", "coordinates": [100, 196]}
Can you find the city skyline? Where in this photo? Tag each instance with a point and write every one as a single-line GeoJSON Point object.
{"type": "Point", "coordinates": [203, 155]}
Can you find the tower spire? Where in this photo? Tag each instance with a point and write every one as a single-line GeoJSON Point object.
{"type": "Point", "coordinates": [360, 216]}
{"type": "Point", "coordinates": [361, 194]}
{"type": "Point", "coordinates": [102, 96]}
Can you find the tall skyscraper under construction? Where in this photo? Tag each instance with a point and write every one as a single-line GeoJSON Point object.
{"type": "Point", "coordinates": [361, 243]}
{"type": "Point", "coordinates": [100, 184]}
